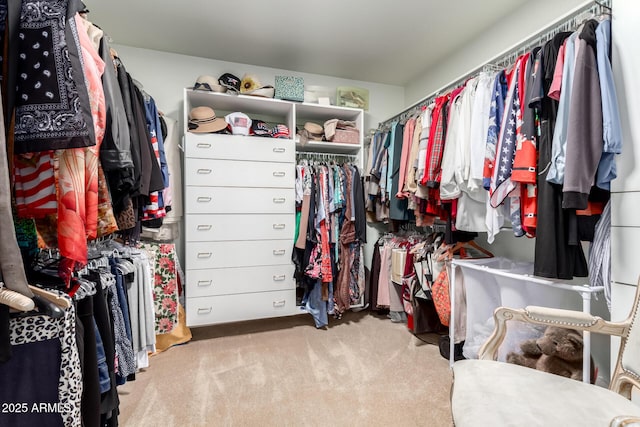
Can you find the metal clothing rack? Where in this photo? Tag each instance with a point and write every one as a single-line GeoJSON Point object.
{"type": "Point", "coordinates": [327, 157]}
{"type": "Point", "coordinates": [528, 282]}
{"type": "Point", "coordinates": [568, 22]}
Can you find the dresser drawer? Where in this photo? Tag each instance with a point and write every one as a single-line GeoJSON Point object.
{"type": "Point", "coordinates": [238, 147]}
{"type": "Point", "coordinates": [205, 255]}
{"type": "Point", "coordinates": [236, 173]}
{"type": "Point", "coordinates": [239, 200]}
{"type": "Point", "coordinates": [233, 308]}
{"type": "Point", "coordinates": [210, 228]}
{"type": "Point", "coordinates": [224, 281]}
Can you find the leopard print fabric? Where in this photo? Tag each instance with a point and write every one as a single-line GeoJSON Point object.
{"type": "Point", "coordinates": [127, 218]}
{"type": "Point", "coordinates": [37, 328]}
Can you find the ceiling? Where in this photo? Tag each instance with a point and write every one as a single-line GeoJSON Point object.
{"type": "Point", "coordinates": [387, 42]}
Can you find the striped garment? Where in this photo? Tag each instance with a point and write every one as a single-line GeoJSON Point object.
{"type": "Point", "coordinates": [600, 254]}
{"type": "Point", "coordinates": [495, 116]}
{"type": "Point", "coordinates": [35, 184]}
{"type": "Point", "coordinates": [435, 149]}
{"type": "Point", "coordinates": [501, 183]}
{"type": "Point", "coordinates": [155, 207]}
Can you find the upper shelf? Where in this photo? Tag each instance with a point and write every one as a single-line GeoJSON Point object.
{"type": "Point", "coordinates": [317, 112]}
{"type": "Point", "coordinates": [245, 103]}
{"type": "Point", "coordinates": [327, 147]}
{"type": "Point", "coordinates": [293, 114]}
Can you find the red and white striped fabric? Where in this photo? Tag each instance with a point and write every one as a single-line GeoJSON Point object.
{"type": "Point", "coordinates": [35, 184]}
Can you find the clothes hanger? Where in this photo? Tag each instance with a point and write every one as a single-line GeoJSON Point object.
{"type": "Point", "coordinates": [51, 297]}
{"type": "Point", "coordinates": [15, 300]}
{"type": "Point", "coordinates": [443, 252]}
{"type": "Point", "coordinates": [603, 5]}
{"type": "Point", "coordinates": [417, 247]}
{"type": "Point", "coordinates": [82, 288]}
{"type": "Point", "coordinates": [125, 266]}
{"type": "Point", "coordinates": [470, 244]}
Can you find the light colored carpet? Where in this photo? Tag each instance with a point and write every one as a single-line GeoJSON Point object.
{"type": "Point", "coordinates": [361, 371]}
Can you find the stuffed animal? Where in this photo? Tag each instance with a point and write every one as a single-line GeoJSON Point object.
{"type": "Point", "coordinates": [558, 351]}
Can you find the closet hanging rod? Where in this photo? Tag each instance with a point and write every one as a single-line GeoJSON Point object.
{"type": "Point", "coordinates": [568, 22]}
{"type": "Point", "coordinates": [310, 155]}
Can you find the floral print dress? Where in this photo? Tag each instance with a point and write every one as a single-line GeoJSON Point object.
{"type": "Point", "coordinates": [165, 284]}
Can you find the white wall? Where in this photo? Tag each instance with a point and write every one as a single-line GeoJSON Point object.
{"type": "Point", "coordinates": [165, 75]}
{"type": "Point", "coordinates": [529, 19]}
{"type": "Point", "coordinates": [625, 197]}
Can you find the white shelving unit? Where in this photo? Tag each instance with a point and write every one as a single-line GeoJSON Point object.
{"type": "Point", "coordinates": [240, 208]}
{"type": "Point", "coordinates": [321, 113]}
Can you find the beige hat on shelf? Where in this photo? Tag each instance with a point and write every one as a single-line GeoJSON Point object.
{"type": "Point", "coordinates": [204, 120]}
{"type": "Point", "coordinates": [315, 130]}
{"type": "Point", "coordinates": [311, 132]}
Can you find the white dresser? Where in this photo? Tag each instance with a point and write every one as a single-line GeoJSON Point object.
{"type": "Point", "coordinates": [240, 211]}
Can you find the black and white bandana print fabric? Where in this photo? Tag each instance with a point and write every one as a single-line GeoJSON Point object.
{"type": "Point", "coordinates": [52, 102]}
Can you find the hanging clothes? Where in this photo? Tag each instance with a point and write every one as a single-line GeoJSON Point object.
{"type": "Point", "coordinates": [500, 132]}
{"type": "Point", "coordinates": [554, 257]}
{"type": "Point", "coordinates": [565, 81]}
{"type": "Point", "coordinates": [407, 142]}
{"type": "Point", "coordinates": [525, 157]}
{"type": "Point", "coordinates": [397, 207]}
{"type": "Point", "coordinates": [496, 112]}
{"type": "Point", "coordinates": [328, 252]}
{"type": "Point", "coordinates": [611, 127]}
{"type": "Point", "coordinates": [584, 123]}
{"type": "Point", "coordinates": [165, 285]}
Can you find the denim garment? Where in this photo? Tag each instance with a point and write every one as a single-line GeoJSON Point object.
{"type": "Point", "coordinates": [316, 307]}
{"type": "Point", "coordinates": [611, 128]}
{"type": "Point", "coordinates": [122, 297]}
{"type": "Point", "coordinates": [397, 207]}
{"type": "Point", "coordinates": [103, 370]}
{"type": "Point", "coordinates": [153, 122]}
{"type": "Point", "coordinates": [559, 144]}
{"type": "Point", "coordinates": [124, 348]}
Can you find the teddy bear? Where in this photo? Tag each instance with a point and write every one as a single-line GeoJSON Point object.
{"type": "Point", "coordinates": [558, 351]}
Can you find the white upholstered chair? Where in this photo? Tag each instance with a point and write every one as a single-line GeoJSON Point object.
{"type": "Point", "coordinates": [490, 393]}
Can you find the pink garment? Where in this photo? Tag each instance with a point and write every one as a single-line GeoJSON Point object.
{"type": "Point", "coordinates": [77, 169]}
{"type": "Point", "coordinates": [325, 256]}
{"type": "Point", "coordinates": [556, 83]}
{"type": "Point", "coordinates": [407, 140]}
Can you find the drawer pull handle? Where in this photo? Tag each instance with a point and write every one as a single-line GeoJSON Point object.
{"type": "Point", "coordinates": [205, 310]}
{"type": "Point", "coordinates": [203, 145]}
{"type": "Point", "coordinates": [204, 199]}
{"type": "Point", "coordinates": [279, 150]}
{"type": "Point", "coordinates": [279, 226]}
{"type": "Point", "coordinates": [277, 304]}
{"type": "Point", "coordinates": [279, 252]}
{"type": "Point", "coordinates": [204, 227]}
{"type": "Point", "coordinates": [279, 278]}
{"type": "Point", "coordinates": [203, 255]}
{"type": "Point", "coordinates": [279, 200]}
{"type": "Point", "coordinates": [203, 283]}
{"type": "Point", "coordinates": [204, 171]}
{"type": "Point", "coordinates": [279, 174]}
